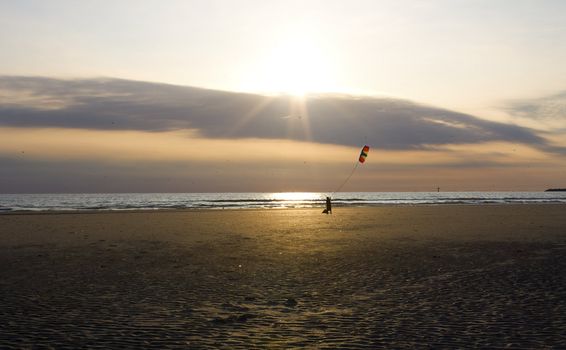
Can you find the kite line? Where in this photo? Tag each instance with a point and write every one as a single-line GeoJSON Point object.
{"type": "Point", "coordinates": [361, 159]}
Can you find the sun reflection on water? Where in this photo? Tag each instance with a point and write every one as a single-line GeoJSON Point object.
{"type": "Point", "coordinates": [296, 196]}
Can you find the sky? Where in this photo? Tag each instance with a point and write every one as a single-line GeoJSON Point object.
{"type": "Point", "coordinates": [216, 96]}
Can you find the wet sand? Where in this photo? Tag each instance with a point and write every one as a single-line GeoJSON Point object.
{"type": "Point", "coordinates": [386, 277]}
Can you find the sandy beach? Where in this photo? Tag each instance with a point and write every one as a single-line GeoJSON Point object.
{"type": "Point", "coordinates": [385, 277]}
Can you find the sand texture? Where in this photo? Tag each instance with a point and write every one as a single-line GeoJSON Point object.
{"type": "Point", "coordinates": [385, 277]}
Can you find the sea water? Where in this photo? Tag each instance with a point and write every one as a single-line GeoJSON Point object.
{"type": "Point", "coordinates": [154, 201]}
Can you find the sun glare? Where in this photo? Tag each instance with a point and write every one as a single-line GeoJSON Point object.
{"type": "Point", "coordinates": [296, 196]}
{"type": "Point", "coordinates": [294, 66]}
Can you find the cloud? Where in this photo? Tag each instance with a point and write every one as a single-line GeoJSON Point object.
{"type": "Point", "coordinates": [547, 108]}
{"type": "Point", "coordinates": [547, 114]}
{"type": "Point", "coordinates": [115, 104]}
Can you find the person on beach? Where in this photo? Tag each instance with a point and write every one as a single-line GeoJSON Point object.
{"type": "Point", "coordinates": [328, 209]}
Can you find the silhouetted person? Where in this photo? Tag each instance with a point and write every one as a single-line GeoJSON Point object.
{"type": "Point", "coordinates": [328, 209]}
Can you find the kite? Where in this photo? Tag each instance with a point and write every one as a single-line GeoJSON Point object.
{"type": "Point", "coordinates": [361, 160]}
{"type": "Point", "coordinates": [364, 154]}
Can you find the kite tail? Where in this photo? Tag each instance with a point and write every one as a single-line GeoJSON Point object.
{"type": "Point", "coordinates": [348, 178]}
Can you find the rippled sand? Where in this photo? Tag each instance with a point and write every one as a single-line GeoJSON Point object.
{"type": "Point", "coordinates": [388, 277]}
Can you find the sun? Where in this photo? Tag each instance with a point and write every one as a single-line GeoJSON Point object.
{"type": "Point", "coordinates": [296, 66]}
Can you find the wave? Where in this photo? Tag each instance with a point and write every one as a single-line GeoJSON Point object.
{"type": "Point", "coordinates": [171, 201]}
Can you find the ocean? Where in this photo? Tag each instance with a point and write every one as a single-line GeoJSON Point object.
{"type": "Point", "coordinates": [156, 201]}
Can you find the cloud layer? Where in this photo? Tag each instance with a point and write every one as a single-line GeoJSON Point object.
{"type": "Point", "coordinates": [547, 108]}
{"type": "Point", "coordinates": [114, 104]}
